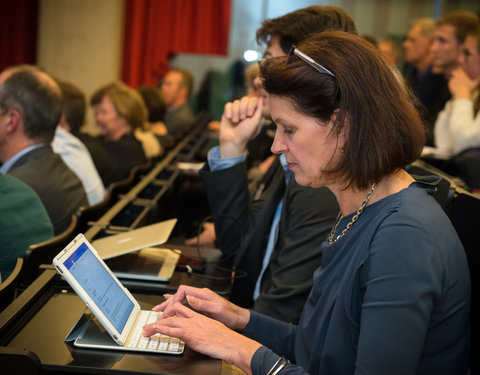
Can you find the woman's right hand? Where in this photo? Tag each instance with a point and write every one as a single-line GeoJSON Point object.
{"type": "Point", "coordinates": [205, 335]}
{"type": "Point", "coordinates": [207, 302]}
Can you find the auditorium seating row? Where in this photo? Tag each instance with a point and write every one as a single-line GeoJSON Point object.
{"type": "Point", "coordinates": [128, 204]}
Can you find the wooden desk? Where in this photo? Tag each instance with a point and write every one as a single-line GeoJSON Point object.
{"type": "Point", "coordinates": [45, 332]}
{"type": "Point", "coordinates": [42, 316]}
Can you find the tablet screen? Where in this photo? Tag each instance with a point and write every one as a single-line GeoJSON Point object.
{"type": "Point", "coordinates": [100, 286]}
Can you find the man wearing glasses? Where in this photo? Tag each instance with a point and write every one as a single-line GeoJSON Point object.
{"type": "Point", "coordinates": [273, 236]}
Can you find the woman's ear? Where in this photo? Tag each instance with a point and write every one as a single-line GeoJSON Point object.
{"type": "Point", "coordinates": [341, 121]}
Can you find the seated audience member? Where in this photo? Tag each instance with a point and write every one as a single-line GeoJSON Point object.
{"type": "Point", "coordinates": [457, 130]}
{"type": "Point", "coordinates": [390, 49]}
{"type": "Point", "coordinates": [458, 125]}
{"type": "Point", "coordinates": [156, 108]}
{"type": "Point", "coordinates": [77, 157]}
{"type": "Point", "coordinates": [392, 295]}
{"type": "Point", "coordinates": [119, 110]}
{"type": "Point", "coordinates": [74, 108]}
{"type": "Point", "coordinates": [30, 107]}
{"type": "Point", "coordinates": [273, 233]}
{"type": "Point", "coordinates": [428, 87]}
{"type": "Point", "coordinates": [176, 88]}
{"type": "Point", "coordinates": [451, 31]}
{"type": "Point", "coordinates": [132, 102]}
{"type": "Point", "coordinates": [23, 222]}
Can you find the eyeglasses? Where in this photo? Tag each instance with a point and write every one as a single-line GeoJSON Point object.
{"type": "Point", "coordinates": [309, 61]}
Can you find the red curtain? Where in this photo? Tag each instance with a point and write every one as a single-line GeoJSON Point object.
{"type": "Point", "coordinates": [18, 32]}
{"type": "Point", "coordinates": [155, 30]}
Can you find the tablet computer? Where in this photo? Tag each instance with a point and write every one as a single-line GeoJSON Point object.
{"type": "Point", "coordinates": [110, 302]}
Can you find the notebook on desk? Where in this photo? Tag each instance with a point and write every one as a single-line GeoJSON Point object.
{"type": "Point", "coordinates": [130, 256]}
{"type": "Point", "coordinates": [136, 239]}
{"type": "Point", "coordinates": [120, 320]}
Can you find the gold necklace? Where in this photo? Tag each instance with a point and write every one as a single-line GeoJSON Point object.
{"type": "Point", "coordinates": [354, 218]}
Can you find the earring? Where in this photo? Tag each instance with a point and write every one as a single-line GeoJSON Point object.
{"type": "Point", "coordinates": [341, 150]}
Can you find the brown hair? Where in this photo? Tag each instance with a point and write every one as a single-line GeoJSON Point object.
{"type": "Point", "coordinates": [154, 101]}
{"type": "Point", "coordinates": [74, 105]}
{"type": "Point", "coordinates": [462, 21]}
{"type": "Point", "coordinates": [128, 103]}
{"type": "Point", "coordinates": [384, 131]}
{"type": "Point", "coordinates": [294, 27]}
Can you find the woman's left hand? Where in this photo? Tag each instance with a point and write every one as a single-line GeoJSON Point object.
{"type": "Point", "coordinates": [207, 302]}
{"type": "Point", "coordinates": [205, 335]}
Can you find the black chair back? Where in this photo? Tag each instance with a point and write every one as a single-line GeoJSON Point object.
{"type": "Point", "coordinates": [140, 169]}
{"type": "Point", "coordinates": [466, 165]}
{"type": "Point", "coordinates": [9, 286]}
{"type": "Point", "coordinates": [442, 185]}
{"type": "Point", "coordinates": [18, 361]}
{"type": "Point", "coordinates": [465, 217]}
{"type": "Point", "coordinates": [89, 214]}
{"type": "Point", "coordinates": [121, 187]}
{"type": "Point", "coordinates": [44, 252]}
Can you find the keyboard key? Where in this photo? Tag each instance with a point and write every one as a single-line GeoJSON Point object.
{"type": "Point", "coordinates": [153, 343]}
{"type": "Point", "coordinates": [163, 345]}
{"type": "Point", "coordinates": [173, 347]}
{"type": "Point", "coordinates": [159, 343]}
{"type": "Point", "coordinates": [143, 342]}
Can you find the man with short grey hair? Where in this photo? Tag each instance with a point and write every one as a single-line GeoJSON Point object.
{"type": "Point", "coordinates": [30, 108]}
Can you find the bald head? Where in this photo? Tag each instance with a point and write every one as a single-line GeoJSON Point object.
{"type": "Point", "coordinates": [35, 96]}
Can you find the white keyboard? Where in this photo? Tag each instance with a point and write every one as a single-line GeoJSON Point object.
{"type": "Point", "coordinates": [157, 343]}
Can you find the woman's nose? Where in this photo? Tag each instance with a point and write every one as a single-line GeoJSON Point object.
{"type": "Point", "coordinates": [278, 146]}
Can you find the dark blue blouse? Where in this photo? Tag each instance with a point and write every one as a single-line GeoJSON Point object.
{"type": "Point", "coordinates": [392, 297]}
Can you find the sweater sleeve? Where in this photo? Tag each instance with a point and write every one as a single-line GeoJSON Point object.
{"type": "Point", "coordinates": [441, 130]}
{"type": "Point", "coordinates": [464, 127]}
{"type": "Point", "coordinates": [278, 339]}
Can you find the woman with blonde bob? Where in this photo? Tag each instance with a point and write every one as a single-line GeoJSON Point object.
{"type": "Point", "coordinates": [393, 293]}
{"type": "Point", "coordinates": [121, 115]}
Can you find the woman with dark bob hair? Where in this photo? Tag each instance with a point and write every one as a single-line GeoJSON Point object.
{"type": "Point", "coordinates": [393, 293]}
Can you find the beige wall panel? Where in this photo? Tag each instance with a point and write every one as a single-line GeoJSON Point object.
{"type": "Point", "coordinates": [81, 41]}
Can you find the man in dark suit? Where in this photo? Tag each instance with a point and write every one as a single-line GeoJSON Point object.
{"type": "Point", "coordinates": [30, 108]}
{"type": "Point", "coordinates": [274, 236]}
